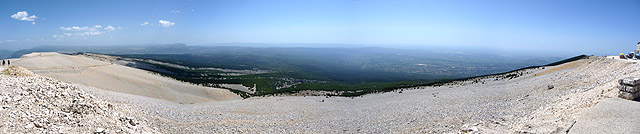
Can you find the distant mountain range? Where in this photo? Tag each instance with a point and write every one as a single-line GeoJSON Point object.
{"type": "Point", "coordinates": [416, 61]}
{"type": "Point", "coordinates": [176, 48]}
{"type": "Point", "coordinates": [5, 54]}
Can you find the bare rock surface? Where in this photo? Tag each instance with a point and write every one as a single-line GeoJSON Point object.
{"type": "Point", "coordinates": [594, 80]}
{"type": "Point", "coordinates": [611, 116]}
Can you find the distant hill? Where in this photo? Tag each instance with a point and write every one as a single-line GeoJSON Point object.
{"type": "Point", "coordinates": [456, 64]}
{"type": "Point", "coordinates": [5, 54]}
{"type": "Point", "coordinates": [307, 45]}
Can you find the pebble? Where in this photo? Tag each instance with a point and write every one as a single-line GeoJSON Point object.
{"type": "Point", "coordinates": [100, 131]}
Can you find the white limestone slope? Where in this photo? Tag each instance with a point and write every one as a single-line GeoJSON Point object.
{"type": "Point", "coordinates": [118, 78]}
{"type": "Point", "coordinates": [35, 104]}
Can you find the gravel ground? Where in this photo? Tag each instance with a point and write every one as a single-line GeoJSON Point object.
{"type": "Point", "coordinates": [35, 104]}
{"type": "Point", "coordinates": [539, 100]}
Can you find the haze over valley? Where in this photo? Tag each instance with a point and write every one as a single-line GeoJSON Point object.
{"type": "Point", "coordinates": [356, 70]}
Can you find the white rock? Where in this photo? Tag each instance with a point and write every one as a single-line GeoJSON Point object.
{"type": "Point", "coordinates": [99, 131]}
{"type": "Point", "coordinates": [29, 126]}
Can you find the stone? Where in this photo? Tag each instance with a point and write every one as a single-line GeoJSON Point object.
{"type": "Point", "coordinates": [6, 99]}
{"type": "Point", "coordinates": [38, 125]}
{"type": "Point", "coordinates": [129, 121]}
{"type": "Point", "coordinates": [17, 98]}
{"type": "Point", "coordinates": [550, 87]}
{"type": "Point", "coordinates": [628, 96]}
{"type": "Point", "coordinates": [475, 129]}
{"type": "Point", "coordinates": [629, 89]}
{"type": "Point", "coordinates": [133, 122]}
{"type": "Point", "coordinates": [99, 131]}
{"type": "Point", "coordinates": [631, 81]}
{"type": "Point", "coordinates": [28, 126]}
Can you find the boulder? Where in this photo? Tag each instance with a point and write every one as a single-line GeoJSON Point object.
{"type": "Point", "coordinates": [628, 96]}
{"type": "Point", "coordinates": [629, 89]}
{"type": "Point", "coordinates": [631, 81]}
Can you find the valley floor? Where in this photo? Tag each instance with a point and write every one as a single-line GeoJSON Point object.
{"type": "Point", "coordinates": [527, 103]}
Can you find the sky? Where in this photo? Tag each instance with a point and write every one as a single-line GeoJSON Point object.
{"type": "Point", "coordinates": [572, 26]}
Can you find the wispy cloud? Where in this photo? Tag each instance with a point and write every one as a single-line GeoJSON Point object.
{"type": "Point", "coordinates": [144, 24]}
{"type": "Point", "coordinates": [24, 16]}
{"type": "Point", "coordinates": [85, 28]}
{"type": "Point", "coordinates": [174, 11]}
{"type": "Point", "coordinates": [7, 41]}
{"type": "Point", "coordinates": [165, 23]}
{"type": "Point", "coordinates": [77, 31]}
{"type": "Point", "coordinates": [74, 28]}
{"type": "Point", "coordinates": [109, 28]}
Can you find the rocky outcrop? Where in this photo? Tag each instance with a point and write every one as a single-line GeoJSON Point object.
{"type": "Point", "coordinates": [35, 104]}
{"type": "Point", "coordinates": [17, 71]}
{"type": "Point", "coordinates": [629, 88]}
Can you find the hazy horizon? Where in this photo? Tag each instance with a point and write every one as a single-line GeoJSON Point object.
{"type": "Point", "coordinates": [551, 28]}
{"type": "Point", "coordinates": [400, 48]}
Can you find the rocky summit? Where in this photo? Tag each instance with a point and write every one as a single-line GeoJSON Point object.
{"type": "Point", "coordinates": [37, 104]}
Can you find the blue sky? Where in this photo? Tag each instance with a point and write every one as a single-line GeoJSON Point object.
{"type": "Point", "coordinates": [573, 26]}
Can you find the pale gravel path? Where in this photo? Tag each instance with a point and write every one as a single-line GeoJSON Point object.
{"type": "Point", "coordinates": [621, 115]}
